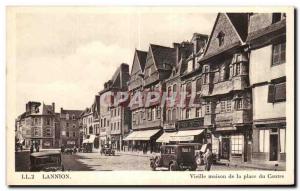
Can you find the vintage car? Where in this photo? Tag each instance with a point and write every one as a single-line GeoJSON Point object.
{"type": "Point", "coordinates": [46, 161]}
{"type": "Point", "coordinates": [200, 150]}
{"type": "Point", "coordinates": [107, 150]}
{"type": "Point", "coordinates": [175, 157]}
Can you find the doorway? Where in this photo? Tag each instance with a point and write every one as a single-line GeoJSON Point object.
{"type": "Point", "coordinates": [273, 147]}
{"type": "Point", "coordinates": [225, 148]}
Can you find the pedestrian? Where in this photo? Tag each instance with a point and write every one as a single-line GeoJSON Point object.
{"type": "Point", "coordinates": [31, 148]}
{"type": "Point", "coordinates": [37, 148]}
{"type": "Point", "coordinates": [208, 159]}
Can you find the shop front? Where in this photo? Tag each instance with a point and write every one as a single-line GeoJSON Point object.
{"type": "Point", "coordinates": [90, 143]}
{"type": "Point", "coordinates": [269, 141]}
{"type": "Point", "coordinates": [231, 143]}
{"type": "Point", "coordinates": [144, 140]}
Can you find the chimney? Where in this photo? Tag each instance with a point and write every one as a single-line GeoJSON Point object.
{"type": "Point", "coordinates": [199, 41]}
{"type": "Point", "coordinates": [176, 46]}
{"type": "Point", "coordinates": [53, 107]}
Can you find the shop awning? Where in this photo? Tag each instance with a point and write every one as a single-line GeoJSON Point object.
{"type": "Point", "coordinates": [141, 135]}
{"type": "Point", "coordinates": [165, 137]}
{"type": "Point", "coordinates": [187, 135]}
{"type": "Point", "coordinates": [89, 140]}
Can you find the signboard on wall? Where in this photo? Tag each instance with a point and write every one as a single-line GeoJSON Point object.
{"type": "Point", "coordinates": [198, 122]}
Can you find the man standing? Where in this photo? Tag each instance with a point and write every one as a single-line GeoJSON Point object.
{"type": "Point", "coordinates": [208, 159]}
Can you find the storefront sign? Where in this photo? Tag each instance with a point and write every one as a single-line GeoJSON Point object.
{"type": "Point", "coordinates": [198, 122]}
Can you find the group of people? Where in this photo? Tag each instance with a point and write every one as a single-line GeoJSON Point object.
{"type": "Point", "coordinates": [65, 150]}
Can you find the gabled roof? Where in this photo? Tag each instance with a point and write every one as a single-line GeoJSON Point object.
{"type": "Point", "coordinates": [77, 113]}
{"type": "Point", "coordinates": [120, 77]}
{"type": "Point", "coordinates": [142, 55]}
{"type": "Point", "coordinates": [235, 28]}
{"type": "Point", "coordinates": [163, 55]}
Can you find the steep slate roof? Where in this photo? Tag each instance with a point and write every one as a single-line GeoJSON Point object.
{"type": "Point", "coordinates": [120, 77]}
{"type": "Point", "coordinates": [235, 28]}
{"type": "Point", "coordinates": [77, 113]}
{"type": "Point", "coordinates": [163, 55]}
{"type": "Point", "coordinates": [96, 105]}
{"type": "Point", "coordinates": [142, 55]}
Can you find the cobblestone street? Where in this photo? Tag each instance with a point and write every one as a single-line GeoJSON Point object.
{"type": "Point", "coordinates": [94, 161]}
{"type": "Point", "coordinates": [121, 161]}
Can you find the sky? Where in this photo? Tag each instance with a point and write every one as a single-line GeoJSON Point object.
{"type": "Point", "coordinates": [65, 55]}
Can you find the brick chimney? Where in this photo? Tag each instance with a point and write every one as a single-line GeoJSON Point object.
{"type": "Point", "coordinates": [53, 107]}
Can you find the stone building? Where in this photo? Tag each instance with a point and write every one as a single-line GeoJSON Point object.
{"type": "Point", "coordinates": [69, 128]}
{"type": "Point", "coordinates": [147, 122]}
{"type": "Point", "coordinates": [90, 118]}
{"type": "Point", "coordinates": [184, 122]}
{"type": "Point", "coordinates": [267, 47]}
{"type": "Point", "coordinates": [36, 126]}
{"type": "Point", "coordinates": [225, 87]}
{"type": "Point", "coordinates": [114, 113]}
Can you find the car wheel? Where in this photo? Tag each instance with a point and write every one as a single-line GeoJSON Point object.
{"type": "Point", "coordinates": [173, 167]}
{"type": "Point", "coordinates": [198, 161]}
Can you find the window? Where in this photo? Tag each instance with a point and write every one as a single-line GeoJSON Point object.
{"type": "Point", "coordinates": [118, 125]}
{"type": "Point", "coordinates": [67, 124]}
{"type": "Point", "coordinates": [149, 114]}
{"type": "Point", "coordinates": [228, 107]}
{"type": "Point", "coordinates": [118, 111]}
{"type": "Point", "coordinates": [220, 37]}
{"type": "Point", "coordinates": [189, 89]}
{"type": "Point", "coordinates": [276, 17]}
{"type": "Point", "coordinates": [74, 134]}
{"type": "Point", "coordinates": [158, 112]}
{"type": "Point", "coordinates": [207, 109]}
{"type": "Point", "coordinates": [107, 123]}
{"type": "Point", "coordinates": [48, 121]}
{"type": "Point", "coordinates": [169, 115]}
{"type": "Point", "coordinates": [237, 144]}
{"type": "Point", "coordinates": [187, 113]}
{"type": "Point", "coordinates": [198, 85]}
{"type": "Point", "coordinates": [73, 117]}
{"type": "Point", "coordinates": [153, 113]}
{"type": "Point", "coordinates": [198, 112]}
{"type": "Point", "coordinates": [206, 69]}
{"type": "Point", "coordinates": [264, 140]}
{"type": "Point", "coordinates": [67, 134]}
{"type": "Point", "coordinates": [174, 88]}
{"type": "Point", "coordinates": [104, 124]}
{"type": "Point", "coordinates": [48, 132]}
{"type": "Point", "coordinates": [169, 91]}
{"type": "Point", "coordinates": [239, 104]}
{"type": "Point", "coordinates": [277, 92]}
{"type": "Point", "coordinates": [282, 140]}
{"type": "Point", "coordinates": [91, 130]}
{"type": "Point", "coordinates": [74, 126]}
{"type": "Point", "coordinates": [223, 106]}
{"type": "Point", "coordinates": [115, 110]}
{"type": "Point", "coordinates": [238, 69]}
{"type": "Point", "coordinates": [190, 66]}
{"type": "Point", "coordinates": [101, 123]}
{"type": "Point", "coordinates": [278, 54]}
{"type": "Point", "coordinates": [174, 114]}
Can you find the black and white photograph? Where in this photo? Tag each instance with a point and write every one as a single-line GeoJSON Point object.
{"type": "Point", "coordinates": [203, 92]}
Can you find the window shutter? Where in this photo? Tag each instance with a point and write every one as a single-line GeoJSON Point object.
{"type": "Point", "coordinates": [280, 92]}
{"type": "Point", "coordinates": [271, 93]}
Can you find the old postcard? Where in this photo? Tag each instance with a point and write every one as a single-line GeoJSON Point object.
{"type": "Point", "coordinates": [150, 96]}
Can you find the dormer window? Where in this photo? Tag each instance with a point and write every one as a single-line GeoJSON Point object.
{"type": "Point", "coordinates": [221, 38]}
{"type": "Point", "coordinates": [276, 17]}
